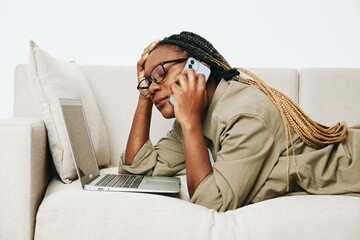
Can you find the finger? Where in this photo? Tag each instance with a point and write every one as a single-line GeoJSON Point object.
{"type": "Point", "coordinates": [191, 77]}
{"type": "Point", "coordinates": [201, 81]}
{"type": "Point", "coordinates": [182, 81]}
{"type": "Point", "coordinates": [142, 60]}
{"type": "Point", "coordinates": [151, 47]}
{"type": "Point", "coordinates": [140, 66]}
{"type": "Point", "coordinates": [175, 88]}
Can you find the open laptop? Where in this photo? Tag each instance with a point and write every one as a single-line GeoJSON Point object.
{"type": "Point", "coordinates": [87, 167]}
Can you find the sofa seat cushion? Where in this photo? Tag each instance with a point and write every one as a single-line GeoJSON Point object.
{"type": "Point", "coordinates": [115, 215]}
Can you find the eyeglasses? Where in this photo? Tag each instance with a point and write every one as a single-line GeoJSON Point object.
{"type": "Point", "coordinates": [157, 75]}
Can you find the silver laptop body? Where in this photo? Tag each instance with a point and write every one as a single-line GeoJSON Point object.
{"type": "Point", "coordinates": [86, 165]}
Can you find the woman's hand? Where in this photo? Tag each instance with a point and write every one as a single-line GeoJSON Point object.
{"type": "Point", "coordinates": [190, 106]}
{"type": "Point", "coordinates": [191, 99]}
{"type": "Point", "coordinates": [143, 58]}
{"type": "Point", "coordinates": [140, 127]}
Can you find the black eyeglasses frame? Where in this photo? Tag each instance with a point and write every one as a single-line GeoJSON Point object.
{"type": "Point", "coordinates": [152, 79]}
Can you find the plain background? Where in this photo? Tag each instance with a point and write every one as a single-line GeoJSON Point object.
{"type": "Point", "coordinates": [252, 33]}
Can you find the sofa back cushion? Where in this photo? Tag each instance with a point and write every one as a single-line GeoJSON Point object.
{"type": "Point", "coordinates": [51, 79]}
{"type": "Point", "coordinates": [114, 88]}
{"type": "Point", "coordinates": [285, 80]}
{"type": "Point", "coordinates": [330, 95]}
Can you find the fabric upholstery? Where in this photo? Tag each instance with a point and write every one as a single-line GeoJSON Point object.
{"type": "Point", "coordinates": [151, 216]}
{"type": "Point", "coordinates": [316, 217]}
{"type": "Point", "coordinates": [284, 80]}
{"type": "Point", "coordinates": [330, 95]}
{"type": "Point", "coordinates": [23, 175]}
{"type": "Point", "coordinates": [51, 79]}
{"type": "Point", "coordinates": [117, 215]}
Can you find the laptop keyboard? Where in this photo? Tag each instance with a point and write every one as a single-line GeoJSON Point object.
{"type": "Point", "coordinates": [122, 180]}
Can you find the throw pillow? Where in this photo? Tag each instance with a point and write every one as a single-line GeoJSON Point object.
{"type": "Point", "coordinates": [51, 79]}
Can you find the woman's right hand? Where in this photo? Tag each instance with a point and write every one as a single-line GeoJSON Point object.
{"type": "Point", "coordinates": [143, 58]}
{"type": "Point", "coordinates": [140, 128]}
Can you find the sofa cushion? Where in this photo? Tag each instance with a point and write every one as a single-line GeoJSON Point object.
{"type": "Point", "coordinates": [285, 80]}
{"type": "Point", "coordinates": [120, 215]}
{"type": "Point", "coordinates": [51, 79]}
{"type": "Point", "coordinates": [330, 95]}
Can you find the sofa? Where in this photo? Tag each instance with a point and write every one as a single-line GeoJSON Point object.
{"type": "Point", "coordinates": [36, 204]}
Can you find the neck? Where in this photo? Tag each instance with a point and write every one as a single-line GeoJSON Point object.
{"type": "Point", "coordinates": [210, 89]}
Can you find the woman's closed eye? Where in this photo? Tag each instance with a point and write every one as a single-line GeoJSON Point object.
{"type": "Point", "coordinates": [158, 73]}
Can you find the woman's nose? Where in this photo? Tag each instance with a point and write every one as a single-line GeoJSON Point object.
{"type": "Point", "coordinates": [154, 88]}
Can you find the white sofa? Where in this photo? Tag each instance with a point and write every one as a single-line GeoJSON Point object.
{"type": "Point", "coordinates": [35, 204]}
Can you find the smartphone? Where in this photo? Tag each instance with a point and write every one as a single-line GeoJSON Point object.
{"type": "Point", "coordinates": [199, 69]}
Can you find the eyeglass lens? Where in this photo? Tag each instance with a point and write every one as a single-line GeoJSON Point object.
{"type": "Point", "coordinates": [157, 74]}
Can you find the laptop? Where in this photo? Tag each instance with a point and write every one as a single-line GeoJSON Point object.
{"type": "Point", "coordinates": [86, 164]}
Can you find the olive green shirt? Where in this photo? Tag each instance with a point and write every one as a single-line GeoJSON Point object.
{"type": "Point", "coordinates": [245, 134]}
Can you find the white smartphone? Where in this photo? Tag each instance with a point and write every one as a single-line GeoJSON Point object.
{"type": "Point", "coordinates": [199, 69]}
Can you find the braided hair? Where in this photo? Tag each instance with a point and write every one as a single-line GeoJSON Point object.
{"type": "Point", "coordinates": [201, 49]}
{"type": "Point", "coordinates": [311, 132]}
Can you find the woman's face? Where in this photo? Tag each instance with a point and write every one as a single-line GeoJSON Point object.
{"type": "Point", "coordinates": [160, 93]}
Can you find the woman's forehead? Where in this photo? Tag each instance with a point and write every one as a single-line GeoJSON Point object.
{"type": "Point", "coordinates": [161, 54]}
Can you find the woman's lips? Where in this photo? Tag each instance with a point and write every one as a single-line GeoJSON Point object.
{"type": "Point", "coordinates": [160, 102]}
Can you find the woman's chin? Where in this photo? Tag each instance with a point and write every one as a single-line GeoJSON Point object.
{"type": "Point", "coordinates": [169, 117]}
{"type": "Point", "coordinates": [167, 112]}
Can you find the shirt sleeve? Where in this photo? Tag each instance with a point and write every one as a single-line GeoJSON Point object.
{"type": "Point", "coordinates": [246, 143]}
{"type": "Point", "coordinates": [166, 158]}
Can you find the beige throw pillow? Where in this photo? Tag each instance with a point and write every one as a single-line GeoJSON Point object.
{"type": "Point", "coordinates": [51, 79]}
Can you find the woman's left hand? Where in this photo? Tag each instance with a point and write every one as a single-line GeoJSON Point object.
{"type": "Point", "coordinates": [190, 98]}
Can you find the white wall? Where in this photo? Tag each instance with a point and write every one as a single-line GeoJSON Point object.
{"type": "Point", "coordinates": [251, 33]}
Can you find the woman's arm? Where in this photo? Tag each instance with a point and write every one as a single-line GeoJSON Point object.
{"type": "Point", "coordinates": [190, 105]}
{"type": "Point", "coordinates": [198, 165]}
{"type": "Point", "coordinates": [140, 127]}
{"type": "Point", "coordinates": [247, 155]}
{"type": "Point", "coordinates": [166, 158]}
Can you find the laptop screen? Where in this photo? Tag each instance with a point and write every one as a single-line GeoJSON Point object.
{"type": "Point", "coordinates": [79, 139]}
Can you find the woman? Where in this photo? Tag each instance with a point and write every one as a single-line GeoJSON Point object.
{"type": "Point", "coordinates": [261, 145]}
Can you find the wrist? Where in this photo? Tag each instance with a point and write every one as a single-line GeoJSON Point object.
{"type": "Point", "coordinates": [191, 126]}
{"type": "Point", "coordinates": [144, 106]}
{"type": "Point", "coordinates": [144, 101]}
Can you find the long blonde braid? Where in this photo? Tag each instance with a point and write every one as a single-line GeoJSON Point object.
{"type": "Point", "coordinates": [311, 132]}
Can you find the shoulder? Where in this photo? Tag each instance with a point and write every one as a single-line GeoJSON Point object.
{"type": "Point", "coordinates": [241, 99]}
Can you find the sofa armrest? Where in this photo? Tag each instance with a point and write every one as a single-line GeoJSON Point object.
{"type": "Point", "coordinates": [24, 175]}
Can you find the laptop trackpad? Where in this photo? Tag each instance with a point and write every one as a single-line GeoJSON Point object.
{"type": "Point", "coordinates": [167, 183]}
